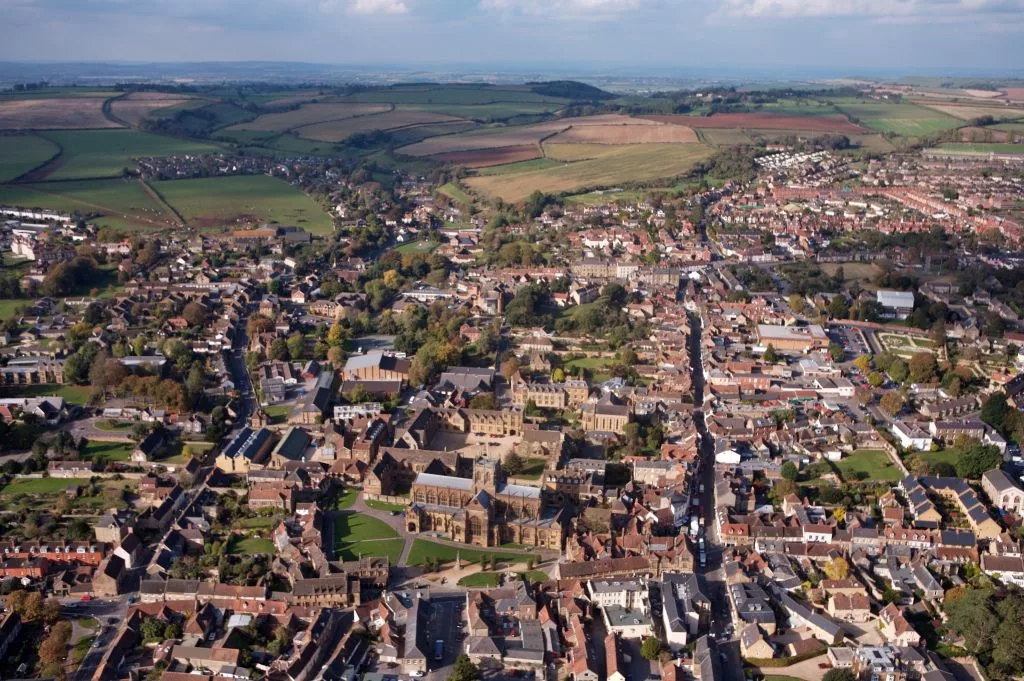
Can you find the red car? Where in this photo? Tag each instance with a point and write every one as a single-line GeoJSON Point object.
{"type": "Point", "coordinates": [86, 597]}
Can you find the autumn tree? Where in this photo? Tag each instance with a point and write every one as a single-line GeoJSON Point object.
{"type": "Point", "coordinates": [837, 568]}
{"type": "Point", "coordinates": [892, 402]}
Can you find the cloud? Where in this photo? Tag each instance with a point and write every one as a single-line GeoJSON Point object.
{"type": "Point", "coordinates": [378, 7]}
{"type": "Point", "coordinates": [868, 9]}
{"type": "Point", "coordinates": [576, 8]}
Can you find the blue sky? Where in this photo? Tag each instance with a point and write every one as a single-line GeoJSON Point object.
{"type": "Point", "coordinates": [848, 35]}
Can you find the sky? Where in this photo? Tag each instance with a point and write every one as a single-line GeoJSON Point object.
{"type": "Point", "coordinates": [851, 36]}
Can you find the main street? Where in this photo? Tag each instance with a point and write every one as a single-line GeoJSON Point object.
{"type": "Point", "coordinates": [714, 573]}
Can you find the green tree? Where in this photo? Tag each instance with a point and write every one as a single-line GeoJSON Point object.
{"type": "Point", "coordinates": [513, 464]}
{"type": "Point", "coordinates": [898, 370]}
{"type": "Point", "coordinates": [279, 350]}
{"type": "Point", "coordinates": [971, 617]}
{"type": "Point", "coordinates": [838, 308]}
{"type": "Point", "coordinates": [296, 346]}
{"type": "Point", "coordinates": [863, 362]}
{"type": "Point", "coordinates": [651, 648]}
{"type": "Point", "coordinates": [836, 352]}
{"type": "Point", "coordinates": [464, 670]}
{"type": "Point", "coordinates": [975, 459]}
{"type": "Point", "coordinates": [770, 354]}
{"type": "Point", "coordinates": [923, 367]}
{"type": "Point", "coordinates": [994, 411]}
{"type": "Point", "coordinates": [789, 471]}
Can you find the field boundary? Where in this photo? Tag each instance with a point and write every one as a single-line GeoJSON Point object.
{"type": "Point", "coordinates": [159, 199]}
{"type": "Point", "coordinates": [296, 128]}
{"type": "Point", "coordinates": [108, 111]}
{"type": "Point", "coordinates": [22, 179]}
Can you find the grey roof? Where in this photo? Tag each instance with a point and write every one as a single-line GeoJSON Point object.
{"type": "Point", "coordinates": [449, 481]}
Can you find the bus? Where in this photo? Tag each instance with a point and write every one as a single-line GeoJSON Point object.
{"type": "Point", "coordinates": [439, 650]}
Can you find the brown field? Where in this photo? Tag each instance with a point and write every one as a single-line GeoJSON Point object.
{"type": "Point", "coordinates": [309, 114]}
{"type": "Point", "coordinates": [336, 131]}
{"type": "Point", "coordinates": [973, 134]}
{"type": "Point", "coordinates": [1015, 94]}
{"type": "Point", "coordinates": [137, 106]}
{"type": "Point", "coordinates": [625, 134]}
{"type": "Point", "coordinates": [982, 94]}
{"type": "Point", "coordinates": [517, 136]}
{"type": "Point", "coordinates": [490, 138]}
{"type": "Point", "coordinates": [764, 121]}
{"type": "Point", "coordinates": [485, 158]}
{"type": "Point", "coordinates": [53, 114]}
{"type": "Point", "coordinates": [966, 112]}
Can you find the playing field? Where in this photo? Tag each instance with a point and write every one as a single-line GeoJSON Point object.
{"type": "Point", "coordinates": [983, 148]}
{"type": "Point", "coordinates": [21, 153]}
{"type": "Point", "coordinates": [898, 117]}
{"type": "Point", "coordinates": [868, 464]}
{"type": "Point", "coordinates": [422, 550]}
{"type": "Point", "coordinates": [118, 203]}
{"type": "Point", "coordinates": [106, 153]}
{"type": "Point", "coordinates": [243, 200]}
{"type": "Point", "coordinates": [601, 166]}
{"type": "Point", "coordinates": [308, 114]}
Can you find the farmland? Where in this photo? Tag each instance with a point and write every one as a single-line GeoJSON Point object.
{"type": "Point", "coordinates": [53, 114]}
{"type": "Point", "coordinates": [105, 153]}
{"type": "Point", "coordinates": [246, 199]}
{"type": "Point", "coordinates": [764, 121]}
{"type": "Point", "coordinates": [21, 153]}
{"type": "Point", "coordinates": [336, 131]}
{"type": "Point", "coordinates": [966, 112]}
{"type": "Point", "coordinates": [982, 148]}
{"type": "Point", "coordinates": [897, 117]}
{"type": "Point", "coordinates": [625, 134]}
{"type": "Point", "coordinates": [599, 166]}
{"type": "Point", "coordinates": [308, 114]}
{"type": "Point", "coordinates": [484, 158]}
{"type": "Point", "coordinates": [123, 204]}
{"type": "Point", "coordinates": [137, 107]}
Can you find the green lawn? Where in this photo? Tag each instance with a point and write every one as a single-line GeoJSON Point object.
{"type": "Point", "coordinates": [535, 576]}
{"type": "Point", "coordinates": [868, 464]}
{"type": "Point", "coordinates": [9, 306]}
{"type": "Point", "coordinates": [255, 199]}
{"type": "Point", "coordinates": [21, 153]}
{"type": "Point", "coordinates": [533, 469]}
{"type": "Point", "coordinates": [77, 394]}
{"type": "Point", "coordinates": [278, 413]}
{"type": "Point", "coordinates": [949, 456]}
{"type": "Point", "coordinates": [392, 548]}
{"type": "Point", "coordinates": [414, 247]}
{"type": "Point", "coordinates": [40, 485]}
{"type": "Point", "coordinates": [346, 498]}
{"type": "Point", "coordinates": [593, 366]}
{"type": "Point", "coordinates": [112, 451]}
{"type": "Point", "coordinates": [384, 505]}
{"type": "Point", "coordinates": [251, 545]}
{"type": "Point", "coordinates": [481, 579]}
{"type": "Point", "coordinates": [105, 153]}
{"type": "Point", "coordinates": [423, 549]}
{"type": "Point", "coordinates": [356, 527]}
{"type": "Point", "coordinates": [258, 523]}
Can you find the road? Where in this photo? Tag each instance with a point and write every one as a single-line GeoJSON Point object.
{"type": "Point", "coordinates": [240, 373]}
{"type": "Point", "coordinates": [443, 625]}
{"type": "Point", "coordinates": [714, 574]}
{"type": "Point", "coordinates": [105, 611]}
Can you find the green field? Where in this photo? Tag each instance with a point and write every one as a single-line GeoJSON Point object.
{"type": "Point", "coordinates": [452, 95]}
{"type": "Point", "coordinates": [594, 367]}
{"type": "Point", "coordinates": [422, 247]}
{"type": "Point", "coordinates": [21, 153]}
{"type": "Point", "coordinates": [868, 464]}
{"type": "Point", "coordinates": [535, 576]}
{"type": "Point", "coordinates": [40, 485]}
{"type": "Point", "coordinates": [76, 394]}
{"type": "Point", "coordinates": [391, 548]}
{"type": "Point", "coordinates": [423, 550]}
{"type": "Point", "coordinates": [481, 580]}
{"type": "Point", "coordinates": [122, 204]}
{"type": "Point", "coordinates": [250, 545]}
{"type": "Point", "coordinates": [532, 469]}
{"type": "Point", "coordinates": [105, 153]}
{"type": "Point", "coordinates": [586, 166]}
{"type": "Point", "coordinates": [901, 118]}
{"type": "Point", "coordinates": [253, 199]}
{"type": "Point", "coordinates": [950, 456]}
{"type": "Point", "coordinates": [111, 451]}
{"type": "Point", "coordinates": [982, 148]}
{"type": "Point", "coordinates": [455, 193]}
{"type": "Point", "coordinates": [9, 306]}
{"type": "Point", "coordinates": [351, 528]}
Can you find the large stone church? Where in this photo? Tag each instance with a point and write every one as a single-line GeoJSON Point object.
{"type": "Point", "coordinates": [483, 510]}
